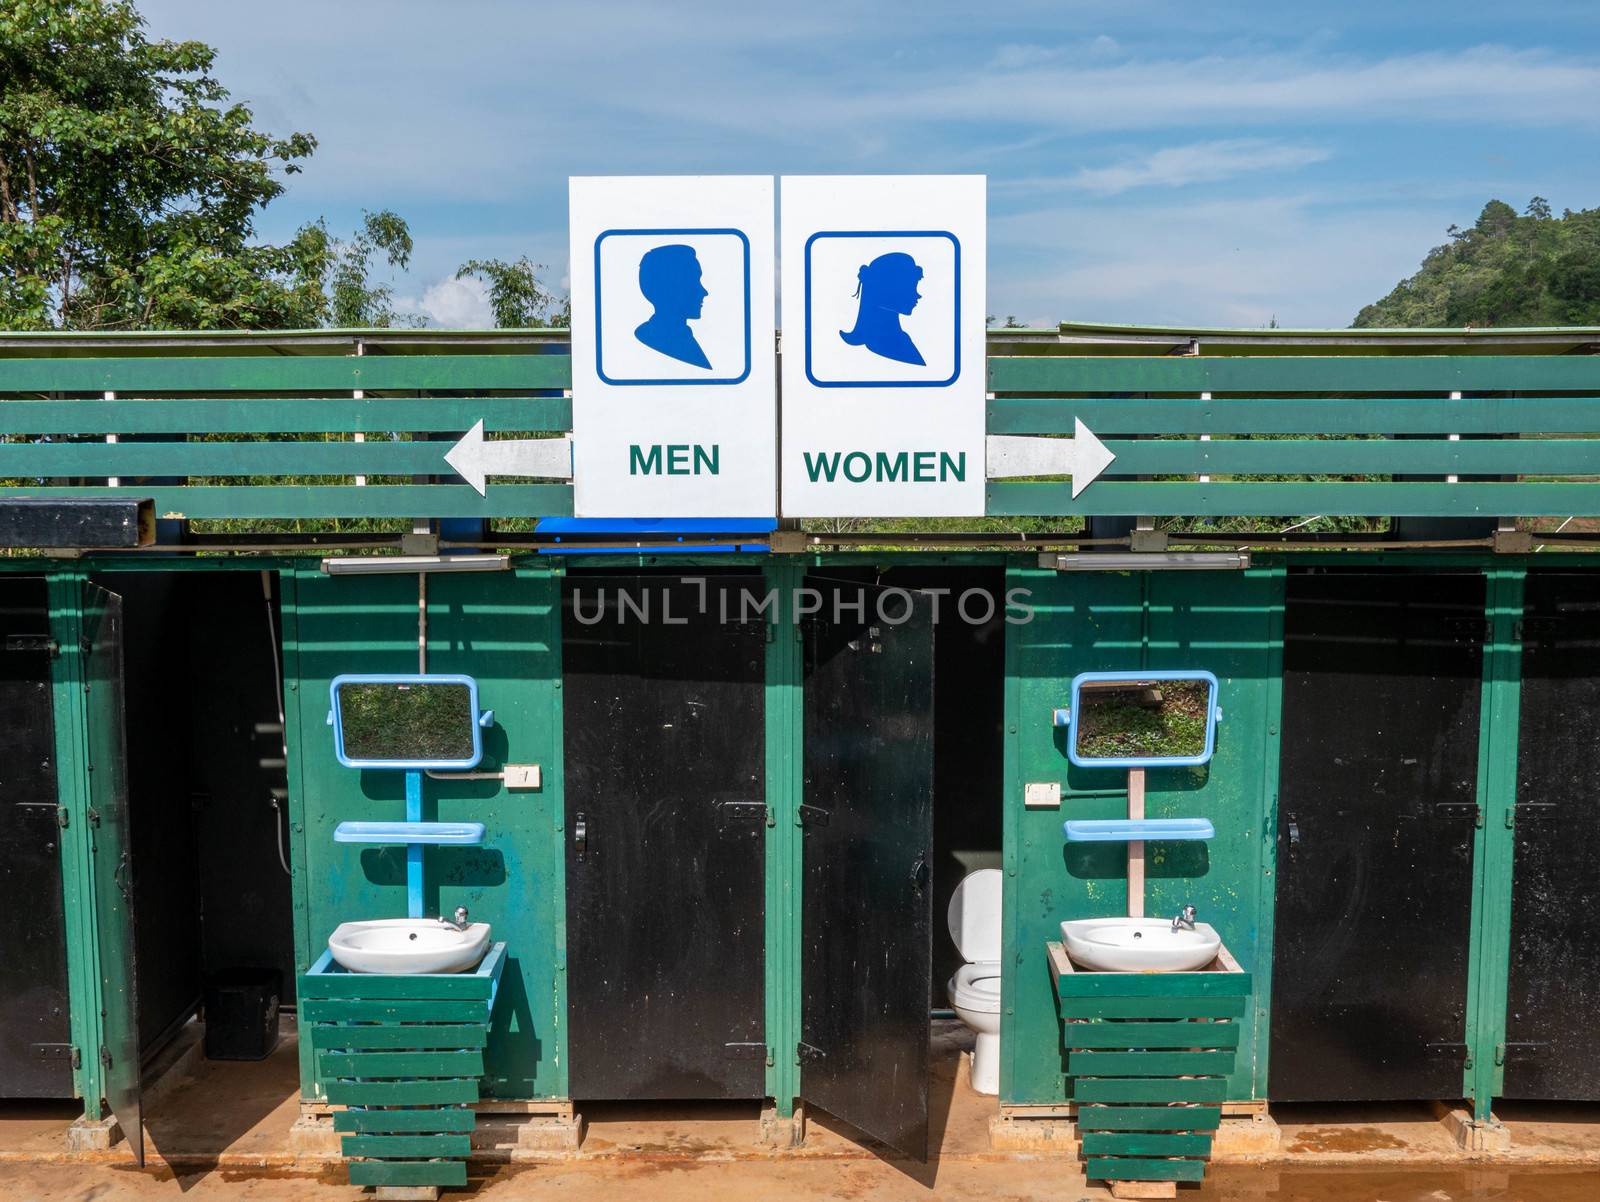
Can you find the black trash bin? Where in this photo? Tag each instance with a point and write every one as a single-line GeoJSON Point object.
{"type": "Point", "coordinates": [242, 1013]}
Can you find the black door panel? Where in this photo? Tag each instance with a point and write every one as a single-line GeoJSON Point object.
{"type": "Point", "coordinates": [866, 955]}
{"type": "Point", "coordinates": [35, 1032]}
{"type": "Point", "coordinates": [1552, 1049]}
{"type": "Point", "coordinates": [1376, 814]}
{"type": "Point", "coordinates": [666, 825]}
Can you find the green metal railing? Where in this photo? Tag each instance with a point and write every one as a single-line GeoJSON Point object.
{"type": "Point", "coordinates": [261, 436]}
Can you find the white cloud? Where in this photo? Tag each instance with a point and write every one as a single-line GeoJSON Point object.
{"type": "Point", "coordinates": [451, 303]}
{"type": "Point", "coordinates": [1209, 263]}
{"type": "Point", "coordinates": [1196, 163]}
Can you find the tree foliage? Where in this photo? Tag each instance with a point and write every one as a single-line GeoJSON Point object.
{"type": "Point", "coordinates": [1536, 269]}
{"type": "Point", "coordinates": [130, 186]}
{"type": "Point", "coordinates": [517, 297]}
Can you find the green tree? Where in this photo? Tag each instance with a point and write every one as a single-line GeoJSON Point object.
{"type": "Point", "coordinates": [517, 297]}
{"type": "Point", "coordinates": [1535, 269]}
{"type": "Point", "coordinates": [128, 184]}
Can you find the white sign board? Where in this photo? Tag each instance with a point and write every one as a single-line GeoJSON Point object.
{"type": "Point", "coordinates": [884, 373]}
{"type": "Point", "coordinates": [673, 411]}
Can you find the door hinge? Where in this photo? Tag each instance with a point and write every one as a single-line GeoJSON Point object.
{"type": "Point", "coordinates": [804, 1053]}
{"type": "Point", "coordinates": [33, 643]}
{"type": "Point", "coordinates": [1459, 809]}
{"type": "Point", "coordinates": [813, 816]}
{"type": "Point", "coordinates": [745, 1051]}
{"type": "Point", "coordinates": [1525, 1049]}
{"type": "Point", "coordinates": [752, 811]}
{"type": "Point", "coordinates": [1448, 1051]}
{"type": "Point", "coordinates": [105, 1057]}
{"type": "Point", "coordinates": [57, 1051]}
{"type": "Point", "coordinates": [63, 817]}
{"type": "Point", "coordinates": [94, 817]}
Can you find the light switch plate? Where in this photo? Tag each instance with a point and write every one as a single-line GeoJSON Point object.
{"type": "Point", "coordinates": [1042, 795]}
{"type": "Point", "coordinates": [522, 776]}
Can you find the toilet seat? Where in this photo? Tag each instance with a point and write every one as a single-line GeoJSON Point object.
{"type": "Point", "coordinates": [976, 987]}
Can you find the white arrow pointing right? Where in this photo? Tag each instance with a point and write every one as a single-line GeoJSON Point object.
{"type": "Point", "coordinates": [1083, 456]}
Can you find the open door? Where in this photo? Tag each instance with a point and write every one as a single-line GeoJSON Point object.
{"type": "Point", "coordinates": [113, 861]}
{"type": "Point", "coordinates": [867, 813]}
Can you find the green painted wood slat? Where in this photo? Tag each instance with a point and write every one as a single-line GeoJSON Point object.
{"type": "Point", "coordinates": [1149, 1118]}
{"type": "Point", "coordinates": [283, 415]}
{"type": "Point", "coordinates": [408, 1172]}
{"type": "Point", "coordinates": [376, 1065]}
{"type": "Point", "coordinates": [1131, 1168]}
{"type": "Point", "coordinates": [410, 1122]}
{"type": "Point", "coordinates": [377, 458]}
{"type": "Point", "coordinates": [1178, 1034]}
{"type": "Point", "coordinates": [1150, 1089]}
{"type": "Point", "coordinates": [357, 1011]}
{"type": "Point", "coordinates": [406, 1037]}
{"type": "Point", "coordinates": [1152, 1007]}
{"type": "Point", "coordinates": [401, 1093]}
{"type": "Point", "coordinates": [1226, 499]}
{"type": "Point", "coordinates": [280, 373]}
{"type": "Point", "coordinates": [1140, 1143]}
{"type": "Point", "coordinates": [399, 1146]}
{"type": "Point", "coordinates": [1153, 984]}
{"type": "Point", "coordinates": [1111, 416]}
{"type": "Point", "coordinates": [1358, 456]}
{"type": "Point", "coordinates": [1149, 1064]}
{"type": "Point", "coordinates": [1309, 373]}
{"type": "Point", "coordinates": [379, 987]}
{"type": "Point", "coordinates": [334, 501]}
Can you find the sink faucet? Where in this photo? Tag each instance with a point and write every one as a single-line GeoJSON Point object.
{"type": "Point", "coordinates": [460, 922]}
{"type": "Point", "coordinates": [1184, 918]}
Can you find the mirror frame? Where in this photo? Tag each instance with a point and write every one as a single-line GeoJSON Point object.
{"type": "Point", "coordinates": [480, 719]}
{"type": "Point", "coordinates": [1213, 713]}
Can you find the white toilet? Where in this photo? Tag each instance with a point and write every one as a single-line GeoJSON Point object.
{"type": "Point", "coordinates": [975, 989]}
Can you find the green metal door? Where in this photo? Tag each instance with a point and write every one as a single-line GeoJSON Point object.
{"type": "Point", "coordinates": [113, 860]}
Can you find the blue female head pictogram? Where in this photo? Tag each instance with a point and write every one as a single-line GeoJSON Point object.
{"type": "Point", "coordinates": [887, 288]}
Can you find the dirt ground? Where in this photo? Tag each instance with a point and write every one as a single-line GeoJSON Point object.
{"type": "Point", "coordinates": [221, 1130]}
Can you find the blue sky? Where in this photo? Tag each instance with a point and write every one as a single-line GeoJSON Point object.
{"type": "Point", "coordinates": [1195, 164]}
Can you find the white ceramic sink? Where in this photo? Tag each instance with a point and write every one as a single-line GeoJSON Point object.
{"type": "Point", "coordinates": [405, 946]}
{"type": "Point", "coordinates": [1139, 944]}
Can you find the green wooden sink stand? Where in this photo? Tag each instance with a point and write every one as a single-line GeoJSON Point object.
{"type": "Point", "coordinates": [1148, 1058]}
{"type": "Point", "coordinates": [404, 1055]}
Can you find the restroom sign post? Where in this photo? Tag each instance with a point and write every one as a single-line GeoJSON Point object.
{"type": "Point", "coordinates": [884, 373]}
{"type": "Point", "coordinates": [673, 409]}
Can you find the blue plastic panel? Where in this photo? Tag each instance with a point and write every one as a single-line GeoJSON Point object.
{"type": "Point", "coordinates": [1070, 720]}
{"type": "Point", "coordinates": [483, 718]}
{"type": "Point", "coordinates": [459, 833]}
{"type": "Point", "coordinates": [1123, 830]}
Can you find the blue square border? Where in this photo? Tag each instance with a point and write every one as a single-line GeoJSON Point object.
{"type": "Point", "coordinates": [956, 307]}
{"type": "Point", "coordinates": [599, 340]}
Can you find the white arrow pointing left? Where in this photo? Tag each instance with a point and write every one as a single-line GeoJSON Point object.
{"type": "Point", "coordinates": [1083, 456]}
{"type": "Point", "coordinates": [476, 458]}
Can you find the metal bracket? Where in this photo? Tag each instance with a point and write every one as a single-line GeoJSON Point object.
{"type": "Point", "coordinates": [32, 644]}
{"type": "Point", "coordinates": [1144, 542]}
{"type": "Point", "coordinates": [806, 1054]}
{"type": "Point", "coordinates": [1513, 542]}
{"type": "Point", "coordinates": [813, 816]}
{"type": "Point", "coordinates": [745, 1051]}
{"type": "Point", "coordinates": [56, 1051]}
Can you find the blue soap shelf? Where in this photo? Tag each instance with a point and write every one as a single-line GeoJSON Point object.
{"type": "Point", "coordinates": [449, 833]}
{"type": "Point", "coordinates": [1127, 830]}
